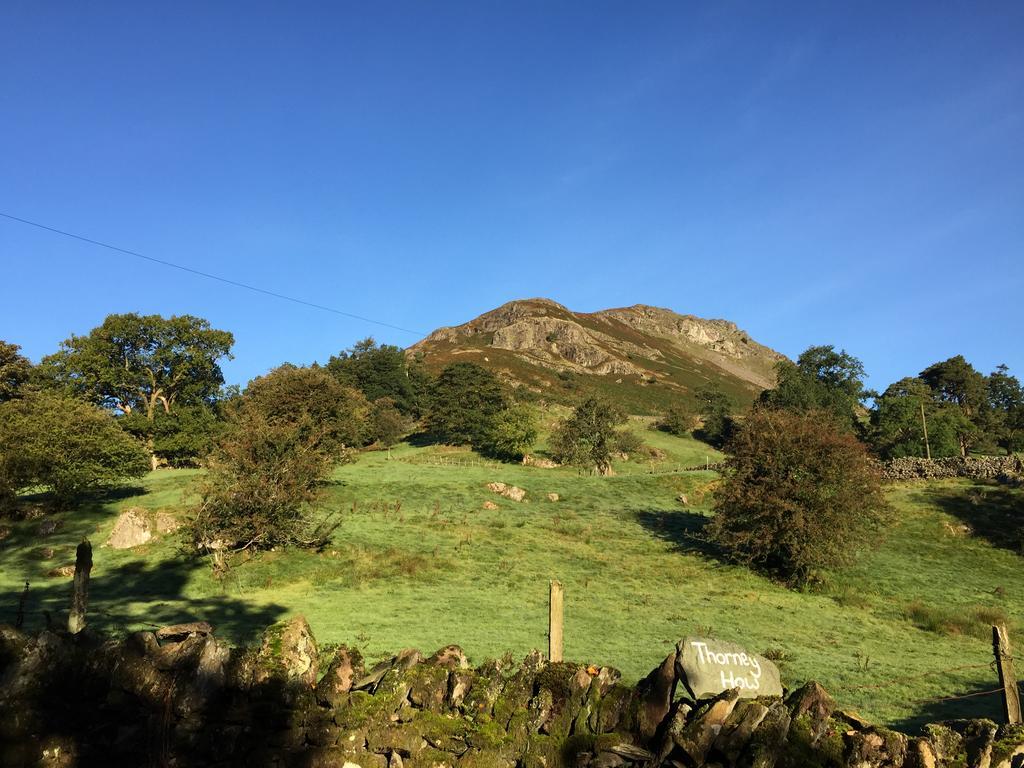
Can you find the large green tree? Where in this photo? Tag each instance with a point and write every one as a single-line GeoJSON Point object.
{"type": "Point", "coordinates": [821, 379]}
{"type": "Point", "coordinates": [590, 436]}
{"type": "Point", "coordinates": [898, 424]}
{"type": "Point", "coordinates": [714, 408]}
{"type": "Point", "coordinates": [799, 496]}
{"type": "Point", "coordinates": [1006, 404]}
{"type": "Point", "coordinates": [382, 371]}
{"type": "Point", "coordinates": [332, 415]}
{"type": "Point", "coordinates": [14, 370]}
{"type": "Point", "coordinates": [53, 440]}
{"type": "Point", "coordinates": [956, 382]}
{"type": "Point", "coordinates": [135, 364]}
{"type": "Point", "coordinates": [464, 399]}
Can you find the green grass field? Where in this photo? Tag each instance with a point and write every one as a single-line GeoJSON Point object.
{"type": "Point", "coordinates": [418, 562]}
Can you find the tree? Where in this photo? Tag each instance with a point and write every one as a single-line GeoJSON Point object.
{"type": "Point", "coordinates": [679, 420]}
{"type": "Point", "coordinates": [821, 379]}
{"type": "Point", "coordinates": [139, 363]}
{"type": "Point", "coordinates": [589, 437]}
{"type": "Point", "coordinates": [1006, 405]}
{"type": "Point", "coordinates": [717, 425]}
{"type": "Point", "coordinates": [799, 496]}
{"type": "Point", "coordinates": [260, 485]}
{"type": "Point", "coordinates": [53, 440]}
{"type": "Point", "coordinates": [897, 429]}
{"type": "Point", "coordinates": [313, 400]}
{"type": "Point", "coordinates": [14, 371]}
{"type": "Point", "coordinates": [464, 399]}
{"type": "Point", "coordinates": [387, 424]}
{"type": "Point", "coordinates": [181, 438]}
{"type": "Point", "coordinates": [955, 381]}
{"type": "Point", "coordinates": [512, 432]}
{"type": "Point", "coordinates": [382, 371]}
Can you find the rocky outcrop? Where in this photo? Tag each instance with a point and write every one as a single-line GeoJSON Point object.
{"type": "Point", "coordinates": [132, 529]}
{"type": "Point", "coordinates": [642, 345]}
{"type": "Point", "coordinates": [179, 697]}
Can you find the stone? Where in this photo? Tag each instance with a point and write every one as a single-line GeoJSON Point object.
{"type": "Point", "coordinates": [654, 697]}
{"type": "Point", "coordinates": [63, 571]}
{"type": "Point", "coordinates": [49, 526]}
{"type": "Point", "coordinates": [920, 755]}
{"type": "Point", "coordinates": [765, 746]}
{"type": "Point", "coordinates": [177, 632]}
{"type": "Point", "coordinates": [540, 463]}
{"type": "Point", "coordinates": [132, 529]}
{"type": "Point", "coordinates": [166, 523]}
{"type": "Point", "coordinates": [553, 497]}
{"type": "Point", "coordinates": [490, 505]}
{"type": "Point", "coordinates": [945, 742]}
{"type": "Point", "coordinates": [288, 652]}
{"type": "Point", "coordinates": [704, 726]}
{"type": "Point", "coordinates": [346, 666]}
{"type": "Point", "coordinates": [876, 747]}
{"type": "Point", "coordinates": [812, 703]}
{"type": "Point", "coordinates": [450, 657]}
{"type": "Point", "coordinates": [508, 491]}
{"type": "Point", "coordinates": [737, 731]}
{"type": "Point", "coordinates": [707, 667]}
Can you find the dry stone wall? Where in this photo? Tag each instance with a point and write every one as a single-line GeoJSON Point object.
{"type": "Point", "coordinates": [180, 697]}
{"type": "Point", "coordinates": [1008, 469]}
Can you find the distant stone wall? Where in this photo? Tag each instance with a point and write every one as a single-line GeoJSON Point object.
{"type": "Point", "coordinates": [1009, 469]}
{"type": "Point", "coordinates": [179, 697]}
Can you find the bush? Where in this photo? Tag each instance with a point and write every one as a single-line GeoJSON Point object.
{"type": "Point", "coordinates": [589, 437]}
{"type": "Point", "coordinates": [799, 496]}
{"type": "Point", "coordinates": [678, 420]}
{"type": "Point", "coordinates": [260, 483]}
{"type": "Point", "coordinates": [512, 433]}
{"type": "Point", "coordinates": [334, 416]}
{"type": "Point", "coordinates": [464, 399]}
{"type": "Point", "coordinates": [55, 441]}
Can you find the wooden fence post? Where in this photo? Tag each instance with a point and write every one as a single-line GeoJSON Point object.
{"type": "Point", "coordinates": [555, 621]}
{"type": "Point", "coordinates": [1007, 679]}
{"type": "Point", "coordinates": [80, 597]}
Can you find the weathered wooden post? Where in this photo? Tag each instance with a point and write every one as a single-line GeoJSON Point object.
{"type": "Point", "coordinates": [1007, 679]}
{"type": "Point", "coordinates": [80, 596]}
{"type": "Point", "coordinates": [555, 621]}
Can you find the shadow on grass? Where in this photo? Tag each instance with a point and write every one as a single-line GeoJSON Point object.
{"type": "Point", "coordinates": [684, 530]}
{"type": "Point", "coordinates": [140, 595]}
{"type": "Point", "coordinates": [966, 702]}
{"type": "Point", "coordinates": [994, 512]}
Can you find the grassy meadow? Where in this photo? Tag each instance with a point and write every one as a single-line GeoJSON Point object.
{"type": "Point", "coordinates": [418, 562]}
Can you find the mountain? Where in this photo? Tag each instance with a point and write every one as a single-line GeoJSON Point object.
{"type": "Point", "coordinates": [643, 357]}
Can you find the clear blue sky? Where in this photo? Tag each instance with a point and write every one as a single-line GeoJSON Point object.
{"type": "Point", "coordinates": [830, 173]}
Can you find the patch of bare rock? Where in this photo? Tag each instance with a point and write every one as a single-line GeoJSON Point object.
{"type": "Point", "coordinates": [508, 491]}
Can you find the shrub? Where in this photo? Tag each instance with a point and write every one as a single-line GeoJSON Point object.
{"type": "Point", "coordinates": [71, 447]}
{"type": "Point", "coordinates": [464, 399]}
{"type": "Point", "coordinates": [512, 432]}
{"type": "Point", "coordinates": [678, 420]}
{"type": "Point", "coordinates": [261, 480]}
{"type": "Point", "coordinates": [589, 436]}
{"type": "Point", "coordinates": [332, 415]}
{"type": "Point", "coordinates": [799, 496]}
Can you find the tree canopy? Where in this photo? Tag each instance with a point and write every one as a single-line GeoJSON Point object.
{"type": "Point", "coordinates": [382, 371]}
{"type": "Point", "coordinates": [799, 496]}
{"type": "Point", "coordinates": [590, 436]}
{"type": "Point", "coordinates": [330, 414]}
{"type": "Point", "coordinates": [14, 370]}
{"type": "Point", "coordinates": [822, 379]}
{"type": "Point", "coordinates": [463, 401]}
{"type": "Point", "coordinates": [53, 440]}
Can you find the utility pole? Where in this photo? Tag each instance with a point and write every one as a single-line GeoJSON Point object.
{"type": "Point", "coordinates": [924, 425]}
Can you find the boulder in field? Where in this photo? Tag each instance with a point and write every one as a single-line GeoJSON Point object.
{"type": "Point", "coordinates": [132, 529]}
{"type": "Point", "coordinates": [508, 491]}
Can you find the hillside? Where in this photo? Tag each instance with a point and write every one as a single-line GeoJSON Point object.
{"type": "Point", "coordinates": [644, 357]}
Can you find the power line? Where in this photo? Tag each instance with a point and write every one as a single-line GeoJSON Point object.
{"type": "Point", "coordinates": [209, 276]}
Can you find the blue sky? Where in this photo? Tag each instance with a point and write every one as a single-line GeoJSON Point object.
{"type": "Point", "coordinates": [821, 173]}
